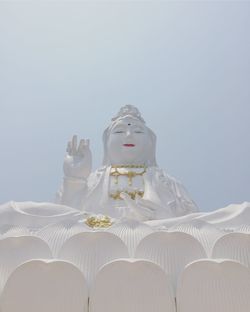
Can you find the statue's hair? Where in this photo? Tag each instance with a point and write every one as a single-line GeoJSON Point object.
{"type": "Point", "coordinates": [151, 161]}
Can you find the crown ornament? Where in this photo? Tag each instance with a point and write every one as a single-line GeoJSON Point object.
{"type": "Point", "coordinates": [129, 110]}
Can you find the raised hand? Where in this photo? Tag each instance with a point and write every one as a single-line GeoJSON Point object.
{"type": "Point", "coordinates": [78, 160]}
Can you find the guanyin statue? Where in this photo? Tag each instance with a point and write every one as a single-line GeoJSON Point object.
{"type": "Point", "coordinates": [129, 184]}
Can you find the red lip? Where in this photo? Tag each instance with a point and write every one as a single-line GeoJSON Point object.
{"type": "Point", "coordinates": [129, 145]}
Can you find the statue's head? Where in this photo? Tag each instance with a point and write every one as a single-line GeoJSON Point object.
{"type": "Point", "coordinates": [128, 140]}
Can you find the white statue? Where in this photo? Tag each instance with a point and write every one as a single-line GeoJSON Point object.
{"type": "Point", "coordinates": [96, 250]}
{"type": "Point", "coordinates": [129, 184]}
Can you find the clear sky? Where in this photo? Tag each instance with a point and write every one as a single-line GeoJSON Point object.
{"type": "Point", "coordinates": [67, 67]}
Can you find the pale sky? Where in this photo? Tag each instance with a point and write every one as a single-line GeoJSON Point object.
{"type": "Point", "coordinates": [67, 67]}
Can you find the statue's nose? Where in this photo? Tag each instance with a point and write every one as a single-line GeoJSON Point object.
{"type": "Point", "coordinates": [128, 133]}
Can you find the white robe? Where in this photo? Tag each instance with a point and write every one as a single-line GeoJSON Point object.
{"type": "Point", "coordinates": [165, 193]}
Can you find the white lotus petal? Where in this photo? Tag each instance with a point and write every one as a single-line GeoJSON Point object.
{"type": "Point", "coordinates": [34, 215]}
{"type": "Point", "coordinates": [57, 234]}
{"type": "Point", "coordinates": [8, 230]}
{"type": "Point", "coordinates": [43, 209]}
{"type": "Point", "coordinates": [214, 286]}
{"type": "Point", "coordinates": [207, 234]}
{"type": "Point", "coordinates": [171, 250]}
{"type": "Point", "coordinates": [231, 216]}
{"type": "Point", "coordinates": [90, 251]}
{"type": "Point", "coordinates": [245, 228]}
{"type": "Point", "coordinates": [40, 286]}
{"type": "Point", "coordinates": [235, 246]}
{"type": "Point", "coordinates": [134, 286]}
{"type": "Point", "coordinates": [167, 223]}
{"type": "Point", "coordinates": [16, 250]}
{"type": "Point", "coordinates": [131, 232]}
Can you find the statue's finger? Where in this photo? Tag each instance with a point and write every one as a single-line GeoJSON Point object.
{"type": "Point", "coordinates": [69, 148]}
{"type": "Point", "coordinates": [80, 150]}
{"type": "Point", "coordinates": [82, 142]}
{"type": "Point", "coordinates": [74, 144]}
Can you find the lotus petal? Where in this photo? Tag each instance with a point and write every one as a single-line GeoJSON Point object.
{"type": "Point", "coordinates": [45, 286]}
{"type": "Point", "coordinates": [90, 251]}
{"type": "Point", "coordinates": [214, 286]}
{"type": "Point", "coordinates": [234, 246]}
{"type": "Point", "coordinates": [132, 285]}
{"type": "Point", "coordinates": [57, 234]}
{"type": "Point", "coordinates": [34, 215]}
{"type": "Point", "coordinates": [16, 250]}
{"type": "Point", "coordinates": [8, 230]}
{"type": "Point", "coordinates": [131, 232]}
{"type": "Point", "coordinates": [164, 224]}
{"type": "Point", "coordinates": [171, 250]}
{"type": "Point", "coordinates": [245, 228]}
{"type": "Point", "coordinates": [207, 234]}
{"type": "Point", "coordinates": [229, 217]}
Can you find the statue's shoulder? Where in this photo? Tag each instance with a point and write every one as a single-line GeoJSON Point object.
{"type": "Point", "coordinates": [167, 182]}
{"type": "Point", "coordinates": [161, 175]}
{"type": "Point", "coordinates": [163, 179]}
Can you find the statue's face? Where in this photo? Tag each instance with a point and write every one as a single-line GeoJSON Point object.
{"type": "Point", "coordinates": [128, 142]}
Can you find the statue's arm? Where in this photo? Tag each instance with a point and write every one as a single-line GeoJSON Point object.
{"type": "Point", "coordinates": [72, 192]}
{"type": "Point", "coordinates": [77, 168]}
{"type": "Point", "coordinates": [182, 203]}
{"type": "Point", "coordinates": [172, 198]}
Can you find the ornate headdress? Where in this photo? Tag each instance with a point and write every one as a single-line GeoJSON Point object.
{"type": "Point", "coordinates": [128, 110]}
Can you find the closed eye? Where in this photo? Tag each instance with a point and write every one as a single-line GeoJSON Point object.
{"type": "Point", "coordinates": [120, 131]}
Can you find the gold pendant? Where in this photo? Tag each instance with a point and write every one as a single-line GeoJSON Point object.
{"type": "Point", "coordinates": [130, 174]}
{"type": "Point", "coordinates": [98, 222]}
{"type": "Point", "coordinates": [117, 194]}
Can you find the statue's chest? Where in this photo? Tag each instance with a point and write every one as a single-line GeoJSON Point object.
{"type": "Point", "coordinates": [126, 179]}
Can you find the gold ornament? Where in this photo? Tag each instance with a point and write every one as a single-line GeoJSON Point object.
{"type": "Point", "coordinates": [130, 174]}
{"type": "Point", "coordinates": [98, 222]}
{"type": "Point", "coordinates": [117, 194]}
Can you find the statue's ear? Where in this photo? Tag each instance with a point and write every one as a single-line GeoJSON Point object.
{"type": "Point", "coordinates": [105, 161]}
{"type": "Point", "coordinates": [152, 157]}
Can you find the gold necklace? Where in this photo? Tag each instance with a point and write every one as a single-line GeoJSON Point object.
{"type": "Point", "coordinates": [130, 174]}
